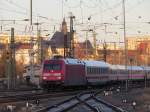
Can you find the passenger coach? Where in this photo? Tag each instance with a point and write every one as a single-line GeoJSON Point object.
{"type": "Point", "coordinates": [97, 72]}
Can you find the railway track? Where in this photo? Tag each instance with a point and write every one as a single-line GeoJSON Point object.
{"type": "Point", "coordinates": [19, 89]}
{"type": "Point", "coordinates": [88, 99]}
{"type": "Point", "coordinates": [33, 96]}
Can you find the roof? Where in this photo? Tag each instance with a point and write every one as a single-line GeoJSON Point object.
{"type": "Point", "coordinates": [57, 39]}
{"type": "Point", "coordinates": [122, 67]}
{"type": "Point", "coordinates": [85, 44]}
{"type": "Point", "coordinates": [96, 63]}
{"type": "Point", "coordinates": [134, 68]}
{"type": "Point", "coordinates": [147, 68]}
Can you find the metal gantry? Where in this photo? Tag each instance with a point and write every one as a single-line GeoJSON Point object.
{"type": "Point", "coordinates": [71, 40]}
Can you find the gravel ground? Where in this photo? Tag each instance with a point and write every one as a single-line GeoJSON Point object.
{"type": "Point", "coordinates": [125, 99]}
{"type": "Point", "coordinates": [122, 99]}
{"type": "Point", "coordinates": [21, 106]}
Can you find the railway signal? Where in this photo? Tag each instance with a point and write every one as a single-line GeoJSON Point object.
{"type": "Point", "coordinates": [7, 55]}
{"type": "Point", "coordinates": [11, 62]}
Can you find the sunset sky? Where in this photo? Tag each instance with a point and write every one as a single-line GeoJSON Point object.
{"type": "Point", "coordinates": [51, 12]}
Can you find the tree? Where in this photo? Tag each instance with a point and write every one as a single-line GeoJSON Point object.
{"type": "Point", "coordinates": [3, 63]}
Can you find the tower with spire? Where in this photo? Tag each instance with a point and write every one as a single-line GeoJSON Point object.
{"type": "Point", "coordinates": [64, 27]}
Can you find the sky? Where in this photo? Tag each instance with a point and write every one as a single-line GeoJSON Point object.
{"type": "Point", "coordinates": [106, 17]}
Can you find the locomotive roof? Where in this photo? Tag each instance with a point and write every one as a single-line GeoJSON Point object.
{"type": "Point", "coordinates": [72, 61]}
{"type": "Point", "coordinates": [96, 63]}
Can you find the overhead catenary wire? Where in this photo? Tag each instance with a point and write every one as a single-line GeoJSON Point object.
{"type": "Point", "coordinates": [95, 5]}
{"type": "Point", "coordinates": [15, 4]}
{"type": "Point", "coordinates": [69, 6]}
{"type": "Point", "coordinates": [24, 11]}
{"type": "Point", "coordinates": [81, 21]}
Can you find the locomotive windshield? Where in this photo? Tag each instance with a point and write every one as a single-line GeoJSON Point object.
{"type": "Point", "coordinates": [52, 67]}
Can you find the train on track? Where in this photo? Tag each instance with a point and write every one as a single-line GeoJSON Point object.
{"type": "Point", "coordinates": [75, 72]}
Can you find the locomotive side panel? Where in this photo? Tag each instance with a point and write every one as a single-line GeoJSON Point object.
{"type": "Point", "coordinates": [74, 75]}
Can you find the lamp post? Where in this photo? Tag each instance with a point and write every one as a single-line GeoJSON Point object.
{"type": "Point", "coordinates": [125, 41]}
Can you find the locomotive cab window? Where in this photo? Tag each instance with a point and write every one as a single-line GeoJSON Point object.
{"type": "Point", "coordinates": [52, 66]}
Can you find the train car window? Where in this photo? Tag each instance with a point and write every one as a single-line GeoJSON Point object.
{"type": "Point", "coordinates": [98, 70]}
{"type": "Point", "coordinates": [133, 72]}
{"type": "Point", "coordinates": [101, 71]}
{"type": "Point", "coordinates": [112, 71]}
{"type": "Point", "coordinates": [92, 71]}
{"type": "Point", "coordinates": [115, 72]}
{"type": "Point", "coordinates": [123, 72]}
{"type": "Point", "coordinates": [52, 67]}
{"type": "Point", "coordinates": [104, 70]}
{"type": "Point", "coordinates": [88, 70]}
{"type": "Point", "coordinates": [95, 70]}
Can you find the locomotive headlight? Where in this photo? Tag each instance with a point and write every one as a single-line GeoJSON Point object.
{"type": "Point", "coordinates": [44, 78]}
{"type": "Point", "coordinates": [58, 77]}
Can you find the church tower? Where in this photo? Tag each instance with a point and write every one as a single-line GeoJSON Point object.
{"type": "Point", "coordinates": [64, 27]}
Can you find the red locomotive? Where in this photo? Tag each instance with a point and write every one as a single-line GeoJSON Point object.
{"type": "Point", "coordinates": [65, 72]}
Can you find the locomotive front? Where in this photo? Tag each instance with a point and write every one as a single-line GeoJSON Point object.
{"type": "Point", "coordinates": [52, 73]}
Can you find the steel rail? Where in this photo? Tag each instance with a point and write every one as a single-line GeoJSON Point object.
{"type": "Point", "coordinates": [33, 96]}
